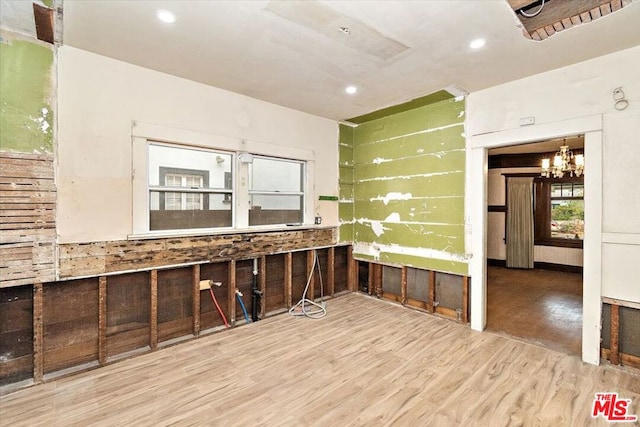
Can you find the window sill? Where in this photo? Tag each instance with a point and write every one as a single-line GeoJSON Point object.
{"type": "Point", "coordinates": [560, 243]}
{"type": "Point", "coordinates": [222, 231]}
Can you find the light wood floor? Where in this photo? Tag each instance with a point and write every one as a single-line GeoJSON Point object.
{"type": "Point", "coordinates": [369, 362]}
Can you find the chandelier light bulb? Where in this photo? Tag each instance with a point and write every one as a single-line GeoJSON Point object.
{"type": "Point", "coordinates": [563, 161]}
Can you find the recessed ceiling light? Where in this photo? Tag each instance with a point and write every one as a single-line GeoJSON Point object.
{"type": "Point", "coordinates": [351, 90]}
{"type": "Point", "coordinates": [477, 43]}
{"type": "Point", "coordinates": [166, 16]}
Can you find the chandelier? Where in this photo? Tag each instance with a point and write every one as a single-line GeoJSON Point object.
{"type": "Point", "coordinates": [564, 161]}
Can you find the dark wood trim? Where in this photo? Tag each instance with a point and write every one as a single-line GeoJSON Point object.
{"type": "Point", "coordinates": [540, 266]}
{"type": "Point", "coordinates": [521, 175]}
{"type": "Point", "coordinates": [560, 243]}
{"type": "Point", "coordinates": [524, 160]}
{"type": "Point", "coordinates": [497, 208]}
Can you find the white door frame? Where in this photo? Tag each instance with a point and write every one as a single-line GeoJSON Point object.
{"type": "Point", "coordinates": [476, 207]}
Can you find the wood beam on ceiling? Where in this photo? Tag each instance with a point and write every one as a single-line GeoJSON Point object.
{"type": "Point", "coordinates": [558, 15]}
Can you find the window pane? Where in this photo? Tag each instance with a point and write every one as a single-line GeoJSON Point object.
{"type": "Point", "coordinates": [275, 209]}
{"type": "Point", "coordinates": [567, 191]}
{"type": "Point", "coordinates": [567, 219]}
{"type": "Point", "coordinates": [185, 167]}
{"type": "Point", "coordinates": [275, 175]}
{"type": "Point", "coordinates": [578, 190]}
{"type": "Point", "coordinates": [556, 190]}
{"type": "Point", "coordinates": [175, 211]}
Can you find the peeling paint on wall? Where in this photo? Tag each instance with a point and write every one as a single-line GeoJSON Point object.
{"type": "Point", "coordinates": [26, 116]}
{"type": "Point", "coordinates": [408, 188]}
{"type": "Point", "coordinates": [346, 197]}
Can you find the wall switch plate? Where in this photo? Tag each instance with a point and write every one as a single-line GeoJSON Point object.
{"type": "Point", "coordinates": [318, 220]}
{"type": "Point", "coordinates": [527, 121]}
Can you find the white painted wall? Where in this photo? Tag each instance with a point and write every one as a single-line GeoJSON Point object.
{"type": "Point", "coordinates": [99, 98]}
{"type": "Point", "coordinates": [496, 247]}
{"type": "Point", "coordinates": [572, 99]}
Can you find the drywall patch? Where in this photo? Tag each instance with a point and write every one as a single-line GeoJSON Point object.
{"type": "Point", "coordinates": [26, 116]}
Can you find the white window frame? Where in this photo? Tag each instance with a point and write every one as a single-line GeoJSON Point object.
{"type": "Point", "coordinates": [144, 134]}
{"type": "Point", "coordinates": [301, 193]}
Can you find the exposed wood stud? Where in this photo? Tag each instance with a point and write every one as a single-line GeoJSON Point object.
{"type": "Point", "coordinates": [102, 320]}
{"type": "Point", "coordinates": [370, 279]}
{"type": "Point", "coordinates": [585, 17]}
{"type": "Point", "coordinates": [605, 9]}
{"type": "Point", "coordinates": [378, 280]}
{"type": "Point", "coordinates": [153, 313]}
{"type": "Point", "coordinates": [465, 299]}
{"type": "Point", "coordinates": [352, 271]}
{"type": "Point", "coordinates": [595, 13]}
{"type": "Point", "coordinates": [432, 291]}
{"type": "Point", "coordinates": [195, 299]}
{"type": "Point", "coordinates": [231, 293]}
{"type": "Point", "coordinates": [403, 285]}
{"type": "Point", "coordinates": [615, 332]}
{"type": "Point", "coordinates": [549, 30]}
{"type": "Point", "coordinates": [312, 287]}
{"type": "Point", "coordinates": [558, 26]}
{"type": "Point", "coordinates": [576, 20]}
{"type": "Point", "coordinates": [566, 23]}
{"type": "Point", "coordinates": [38, 333]}
{"type": "Point", "coordinates": [535, 36]}
{"type": "Point", "coordinates": [331, 274]}
{"type": "Point", "coordinates": [262, 283]}
{"type": "Point", "coordinates": [616, 5]}
{"type": "Point", "coordinates": [288, 273]}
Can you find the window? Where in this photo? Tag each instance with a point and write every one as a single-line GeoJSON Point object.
{"type": "Point", "coordinates": [182, 201]}
{"type": "Point", "coordinates": [559, 212]}
{"type": "Point", "coordinates": [276, 191]}
{"type": "Point", "coordinates": [205, 190]}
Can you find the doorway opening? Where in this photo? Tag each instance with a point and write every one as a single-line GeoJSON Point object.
{"type": "Point", "coordinates": [540, 301]}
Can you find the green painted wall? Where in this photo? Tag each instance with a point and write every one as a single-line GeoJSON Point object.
{"type": "Point", "coordinates": [408, 187]}
{"type": "Point", "coordinates": [26, 116]}
{"type": "Point", "coordinates": [345, 204]}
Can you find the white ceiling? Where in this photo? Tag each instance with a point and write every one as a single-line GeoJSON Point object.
{"type": "Point", "coordinates": [292, 53]}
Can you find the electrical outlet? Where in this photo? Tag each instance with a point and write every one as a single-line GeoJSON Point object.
{"type": "Point", "coordinates": [318, 220]}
